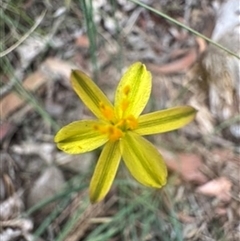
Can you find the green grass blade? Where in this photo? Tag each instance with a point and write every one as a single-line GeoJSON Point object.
{"type": "Point", "coordinates": [71, 223]}
{"type": "Point", "coordinates": [172, 20]}
{"type": "Point", "coordinates": [87, 8]}
{"type": "Point", "coordinates": [48, 220]}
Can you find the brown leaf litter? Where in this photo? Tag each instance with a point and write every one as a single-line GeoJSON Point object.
{"type": "Point", "coordinates": [219, 188]}
{"type": "Point", "coordinates": [209, 196]}
{"type": "Point", "coordinates": [187, 165]}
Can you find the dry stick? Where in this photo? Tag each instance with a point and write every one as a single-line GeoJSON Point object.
{"type": "Point", "coordinates": [25, 36]}
{"type": "Point", "coordinates": [85, 223]}
{"type": "Point", "coordinates": [19, 73]}
{"type": "Point", "coordinates": [9, 86]}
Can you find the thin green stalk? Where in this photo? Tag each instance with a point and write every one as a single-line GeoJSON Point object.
{"type": "Point", "coordinates": [111, 228]}
{"type": "Point", "coordinates": [107, 230]}
{"type": "Point", "coordinates": [71, 223]}
{"type": "Point", "coordinates": [120, 51]}
{"type": "Point", "coordinates": [91, 32]}
{"type": "Point", "coordinates": [172, 20]}
{"type": "Point", "coordinates": [24, 37]}
{"type": "Point", "coordinates": [48, 220]}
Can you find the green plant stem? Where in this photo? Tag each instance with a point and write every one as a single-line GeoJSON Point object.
{"type": "Point", "coordinates": [92, 34]}
{"type": "Point", "coordinates": [71, 223]}
{"type": "Point", "coordinates": [47, 221]}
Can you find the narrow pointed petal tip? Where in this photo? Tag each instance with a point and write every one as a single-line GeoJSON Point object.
{"type": "Point", "coordinates": [143, 161]}
{"type": "Point", "coordinates": [165, 120]}
{"type": "Point", "coordinates": [105, 171]}
{"type": "Point", "coordinates": [90, 94]}
{"type": "Point", "coordinates": [133, 91]}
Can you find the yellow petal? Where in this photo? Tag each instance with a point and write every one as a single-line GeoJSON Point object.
{"type": "Point", "coordinates": [133, 91]}
{"type": "Point", "coordinates": [91, 95]}
{"type": "Point", "coordinates": [165, 120]}
{"type": "Point", "coordinates": [80, 137]}
{"type": "Point", "coordinates": [105, 171]}
{"type": "Point", "coordinates": [143, 160]}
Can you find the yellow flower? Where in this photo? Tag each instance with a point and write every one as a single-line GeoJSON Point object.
{"type": "Point", "coordinates": [120, 128]}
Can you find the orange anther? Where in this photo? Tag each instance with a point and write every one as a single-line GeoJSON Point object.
{"type": "Point", "coordinates": [114, 133]}
{"type": "Point", "coordinates": [106, 111]}
{"type": "Point", "coordinates": [132, 122]}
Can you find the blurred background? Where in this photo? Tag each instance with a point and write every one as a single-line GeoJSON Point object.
{"type": "Point", "coordinates": [44, 192]}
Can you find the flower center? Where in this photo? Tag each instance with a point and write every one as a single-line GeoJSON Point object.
{"type": "Point", "coordinates": [112, 131]}
{"type": "Point", "coordinates": [128, 123]}
{"type": "Point", "coordinates": [115, 128]}
{"type": "Point", "coordinates": [116, 131]}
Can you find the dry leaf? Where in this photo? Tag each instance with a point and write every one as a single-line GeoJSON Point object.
{"type": "Point", "coordinates": [186, 164]}
{"type": "Point", "coordinates": [203, 117]}
{"type": "Point", "coordinates": [57, 69]}
{"type": "Point", "coordinates": [185, 218]}
{"type": "Point", "coordinates": [176, 66]}
{"type": "Point", "coordinates": [82, 41]}
{"type": "Point", "coordinates": [219, 188]}
{"type": "Point", "coordinates": [51, 69]}
{"type": "Point", "coordinates": [12, 101]}
{"type": "Point", "coordinates": [6, 129]}
{"type": "Point", "coordinates": [221, 211]}
{"type": "Point", "coordinates": [222, 155]}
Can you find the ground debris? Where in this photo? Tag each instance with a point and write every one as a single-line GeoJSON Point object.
{"type": "Point", "coordinates": [202, 158]}
{"type": "Point", "coordinates": [50, 182]}
{"type": "Point", "coordinates": [219, 188]}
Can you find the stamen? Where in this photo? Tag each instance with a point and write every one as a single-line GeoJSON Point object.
{"type": "Point", "coordinates": [129, 123]}
{"type": "Point", "coordinates": [132, 122]}
{"type": "Point", "coordinates": [106, 111]}
{"type": "Point", "coordinates": [114, 133]}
